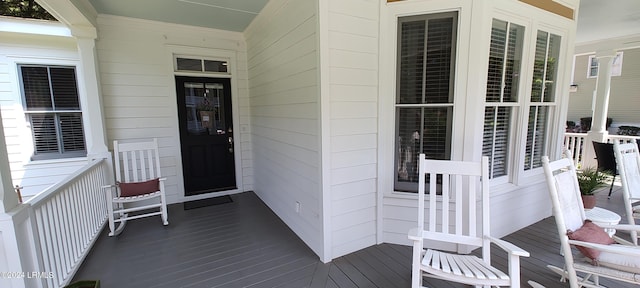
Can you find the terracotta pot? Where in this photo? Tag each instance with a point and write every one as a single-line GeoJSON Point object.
{"type": "Point", "coordinates": [589, 201]}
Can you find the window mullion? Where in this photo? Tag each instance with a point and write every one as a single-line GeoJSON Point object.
{"type": "Point", "coordinates": [53, 103]}
{"type": "Point", "coordinates": [504, 63]}
{"type": "Point", "coordinates": [58, 126]}
{"type": "Point", "coordinates": [493, 144]}
{"type": "Point", "coordinates": [424, 64]}
{"type": "Point", "coordinates": [544, 70]}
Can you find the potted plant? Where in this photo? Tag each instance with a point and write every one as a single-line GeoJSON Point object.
{"type": "Point", "coordinates": [590, 180]}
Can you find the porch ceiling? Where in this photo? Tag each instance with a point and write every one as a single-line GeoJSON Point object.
{"type": "Point", "coordinates": [231, 15]}
{"type": "Point", "coordinates": [597, 19]}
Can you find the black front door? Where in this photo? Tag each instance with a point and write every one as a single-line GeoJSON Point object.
{"type": "Point", "coordinates": [206, 134]}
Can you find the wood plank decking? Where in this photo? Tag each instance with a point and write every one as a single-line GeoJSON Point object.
{"type": "Point", "coordinates": [243, 244]}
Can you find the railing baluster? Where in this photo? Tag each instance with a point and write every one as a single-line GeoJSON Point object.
{"type": "Point", "coordinates": [67, 220]}
{"type": "Point", "coordinates": [576, 143]}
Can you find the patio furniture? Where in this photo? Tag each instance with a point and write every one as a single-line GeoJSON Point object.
{"type": "Point", "coordinates": [601, 216]}
{"type": "Point", "coordinates": [458, 219]}
{"type": "Point", "coordinates": [606, 160]}
{"type": "Point", "coordinates": [139, 190]}
{"type": "Point", "coordinates": [603, 257]}
{"type": "Point", "coordinates": [628, 160]}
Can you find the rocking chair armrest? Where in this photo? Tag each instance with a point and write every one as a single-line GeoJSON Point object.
{"type": "Point", "coordinates": [622, 241]}
{"type": "Point", "coordinates": [415, 234]}
{"type": "Point", "coordinates": [510, 248]}
{"type": "Point", "coordinates": [624, 250]}
{"type": "Point", "coordinates": [625, 227]}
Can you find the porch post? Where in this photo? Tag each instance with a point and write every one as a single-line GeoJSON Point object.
{"type": "Point", "coordinates": [8, 197]}
{"type": "Point", "coordinates": [10, 213]}
{"type": "Point", "coordinates": [603, 87]}
{"type": "Point", "coordinates": [91, 99]}
{"type": "Point", "coordinates": [598, 131]}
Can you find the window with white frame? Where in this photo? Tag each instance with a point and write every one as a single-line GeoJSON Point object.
{"type": "Point", "coordinates": [542, 102]}
{"type": "Point", "coordinates": [193, 64]}
{"type": "Point", "coordinates": [424, 103]}
{"type": "Point", "coordinates": [616, 66]}
{"type": "Point", "coordinates": [502, 98]}
{"type": "Point", "coordinates": [504, 102]}
{"type": "Point", "coordinates": [52, 108]}
{"type": "Point", "coordinates": [592, 71]}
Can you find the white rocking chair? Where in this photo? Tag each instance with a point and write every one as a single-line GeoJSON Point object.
{"type": "Point", "coordinates": [628, 160]}
{"type": "Point", "coordinates": [455, 190]}
{"type": "Point", "coordinates": [615, 261]}
{"type": "Point", "coordinates": [139, 185]}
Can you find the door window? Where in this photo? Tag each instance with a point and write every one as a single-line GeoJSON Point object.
{"type": "Point", "coordinates": [203, 102]}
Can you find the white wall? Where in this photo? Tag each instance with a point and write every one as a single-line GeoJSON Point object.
{"type": "Point", "coordinates": [282, 55]}
{"type": "Point", "coordinates": [350, 112]}
{"type": "Point", "coordinates": [514, 205]}
{"type": "Point", "coordinates": [19, 48]}
{"type": "Point", "coordinates": [139, 95]}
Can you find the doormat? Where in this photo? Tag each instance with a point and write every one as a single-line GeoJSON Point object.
{"type": "Point", "coordinates": [207, 202]}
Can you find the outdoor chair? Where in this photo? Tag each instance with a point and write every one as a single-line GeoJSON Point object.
{"type": "Point", "coordinates": [600, 255]}
{"type": "Point", "coordinates": [606, 160]}
{"type": "Point", "coordinates": [457, 219]}
{"type": "Point", "coordinates": [139, 189]}
{"type": "Point", "coordinates": [628, 160]}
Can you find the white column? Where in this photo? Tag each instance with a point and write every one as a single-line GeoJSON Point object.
{"type": "Point", "coordinates": [8, 197]}
{"type": "Point", "coordinates": [603, 87]}
{"type": "Point", "coordinates": [91, 99]}
{"type": "Point", "coordinates": [10, 246]}
{"type": "Point", "coordinates": [598, 130]}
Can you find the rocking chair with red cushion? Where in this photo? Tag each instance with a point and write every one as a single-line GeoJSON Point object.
{"type": "Point", "coordinates": [139, 189]}
{"type": "Point", "coordinates": [600, 255]}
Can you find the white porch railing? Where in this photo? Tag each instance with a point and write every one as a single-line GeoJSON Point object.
{"type": "Point", "coordinates": [575, 142]}
{"type": "Point", "coordinates": [66, 219]}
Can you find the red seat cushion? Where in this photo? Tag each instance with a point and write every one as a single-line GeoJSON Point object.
{"type": "Point", "coordinates": [592, 233]}
{"type": "Point", "coordinates": [139, 188]}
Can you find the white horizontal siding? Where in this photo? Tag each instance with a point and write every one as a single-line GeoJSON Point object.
{"type": "Point", "coordinates": [139, 97]}
{"type": "Point", "coordinates": [353, 112]}
{"type": "Point", "coordinates": [283, 78]}
{"type": "Point", "coordinates": [32, 176]}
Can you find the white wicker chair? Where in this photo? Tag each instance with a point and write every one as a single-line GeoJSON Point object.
{"type": "Point", "coordinates": [458, 216]}
{"type": "Point", "coordinates": [139, 188]}
{"type": "Point", "coordinates": [569, 215]}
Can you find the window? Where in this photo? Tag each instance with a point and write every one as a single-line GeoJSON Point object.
{"type": "Point", "coordinates": [616, 66]}
{"type": "Point", "coordinates": [593, 67]}
{"type": "Point", "coordinates": [200, 65]}
{"type": "Point", "coordinates": [542, 100]}
{"type": "Point", "coordinates": [424, 104]}
{"type": "Point", "coordinates": [503, 78]}
{"type": "Point", "coordinates": [53, 110]}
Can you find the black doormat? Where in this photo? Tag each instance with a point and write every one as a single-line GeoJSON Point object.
{"type": "Point", "coordinates": [207, 202]}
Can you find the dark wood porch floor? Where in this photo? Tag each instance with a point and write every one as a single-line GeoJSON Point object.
{"type": "Point", "coordinates": [243, 244]}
